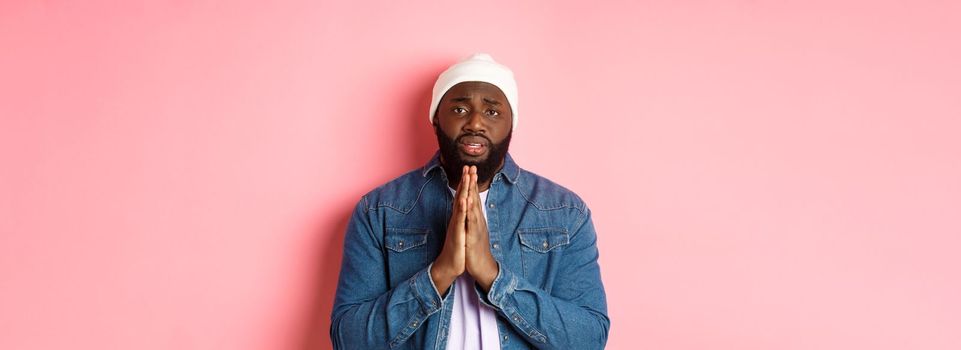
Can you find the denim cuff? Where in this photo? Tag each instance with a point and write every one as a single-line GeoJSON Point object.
{"type": "Point", "coordinates": [425, 290]}
{"type": "Point", "coordinates": [503, 285]}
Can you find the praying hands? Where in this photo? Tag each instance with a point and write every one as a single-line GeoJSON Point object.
{"type": "Point", "coordinates": [467, 245]}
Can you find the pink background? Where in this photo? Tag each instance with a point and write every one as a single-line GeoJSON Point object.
{"type": "Point", "coordinates": [763, 175]}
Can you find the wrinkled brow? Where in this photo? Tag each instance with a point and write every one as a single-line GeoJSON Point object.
{"type": "Point", "coordinates": [467, 98]}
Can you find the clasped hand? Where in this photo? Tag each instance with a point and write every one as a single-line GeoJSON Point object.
{"type": "Point", "coordinates": [467, 245]}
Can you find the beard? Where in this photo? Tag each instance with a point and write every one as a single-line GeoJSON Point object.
{"type": "Point", "coordinates": [453, 162]}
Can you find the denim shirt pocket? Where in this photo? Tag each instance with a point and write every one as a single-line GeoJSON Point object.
{"type": "Point", "coordinates": [544, 239]}
{"type": "Point", "coordinates": [406, 252]}
{"type": "Point", "coordinates": [402, 239]}
{"type": "Point", "coordinates": [540, 247]}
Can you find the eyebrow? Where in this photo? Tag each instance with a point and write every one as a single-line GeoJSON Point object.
{"type": "Point", "coordinates": [467, 98]}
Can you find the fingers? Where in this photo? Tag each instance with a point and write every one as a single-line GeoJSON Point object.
{"type": "Point", "coordinates": [461, 199]}
{"type": "Point", "coordinates": [475, 192]}
{"type": "Point", "coordinates": [466, 181]}
{"type": "Point", "coordinates": [464, 190]}
{"type": "Point", "coordinates": [474, 195]}
{"type": "Point", "coordinates": [460, 185]}
{"type": "Point", "coordinates": [473, 183]}
{"type": "Point", "coordinates": [477, 212]}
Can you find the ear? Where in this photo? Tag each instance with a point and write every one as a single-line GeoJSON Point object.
{"type": "Point", "coordinates": [436, 119]}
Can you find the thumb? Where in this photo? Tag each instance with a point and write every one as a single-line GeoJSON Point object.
{"type": "Point", "coordinates": [460, 216]}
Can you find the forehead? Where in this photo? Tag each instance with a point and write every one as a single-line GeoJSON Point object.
{"type": "Point", "coordinates": [475, 89]}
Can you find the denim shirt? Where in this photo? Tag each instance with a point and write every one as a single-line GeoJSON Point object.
{"type": "Point", "coordinates": [548, 293]}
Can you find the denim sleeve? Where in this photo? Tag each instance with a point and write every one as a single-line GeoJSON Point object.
{"type": "Point", "coordinates": [366, 314]}
{"type": "Point", "coordinates": [574, 314]}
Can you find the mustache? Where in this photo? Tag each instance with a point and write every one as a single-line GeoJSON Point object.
{"type": "Point", "coordinates": [458, 140]}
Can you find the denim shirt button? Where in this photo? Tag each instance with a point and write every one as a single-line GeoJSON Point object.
{"type": "Point", "coordinates": [413, 324]}
{"type": "Point", "coordinates": [496, 246]}
{"type": "Point", "coordinates": [544, 245]}
{"type": "Point", "coordinates": [401, 244]}
{"type": "Point", "coordinates": [491, 205]}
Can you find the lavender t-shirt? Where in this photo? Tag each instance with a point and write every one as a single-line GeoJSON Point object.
{"type": "Point", "coordinates": [473, 325]}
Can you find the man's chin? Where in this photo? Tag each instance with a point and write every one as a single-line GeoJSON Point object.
{"type": "Point", "coordinates": [472, 161]}
{"type": "Point", "coordinates": [467, 159]}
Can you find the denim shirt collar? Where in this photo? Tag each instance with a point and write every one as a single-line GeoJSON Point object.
{"type": "Point", "coordinates": [510, 170]}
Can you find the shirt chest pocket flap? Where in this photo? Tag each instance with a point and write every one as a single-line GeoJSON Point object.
{"type": "Point", "coordinates": [544, 239]}
{"type": "Point", "coordinates": [402, 239]}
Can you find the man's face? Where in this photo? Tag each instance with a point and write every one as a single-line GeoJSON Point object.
{"type": "Point", "coordinates": [473, 126]}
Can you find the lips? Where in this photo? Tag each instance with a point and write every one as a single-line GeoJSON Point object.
{"type": "Point", "coordinates": [473, 145]}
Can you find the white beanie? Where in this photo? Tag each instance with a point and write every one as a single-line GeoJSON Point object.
{"type": "Point", "coordinates": [478, 67]}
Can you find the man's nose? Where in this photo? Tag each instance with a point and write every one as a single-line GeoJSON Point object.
{"type": "Point", "coordinates": [475, 122]}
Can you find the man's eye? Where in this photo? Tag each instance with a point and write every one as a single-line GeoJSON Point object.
{"type": "Point", "coordinates": [459, 110]}
{"type": "Point", "coordinates": [493, 113]}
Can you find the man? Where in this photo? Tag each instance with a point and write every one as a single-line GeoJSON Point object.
{"type": "Point", "coordinates": [470, 251]}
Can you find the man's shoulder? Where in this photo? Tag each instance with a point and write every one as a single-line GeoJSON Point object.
{"type": "Point", "coordinates": [399, 193]}
{"type": "Point", "coordinates": [545, 194]}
